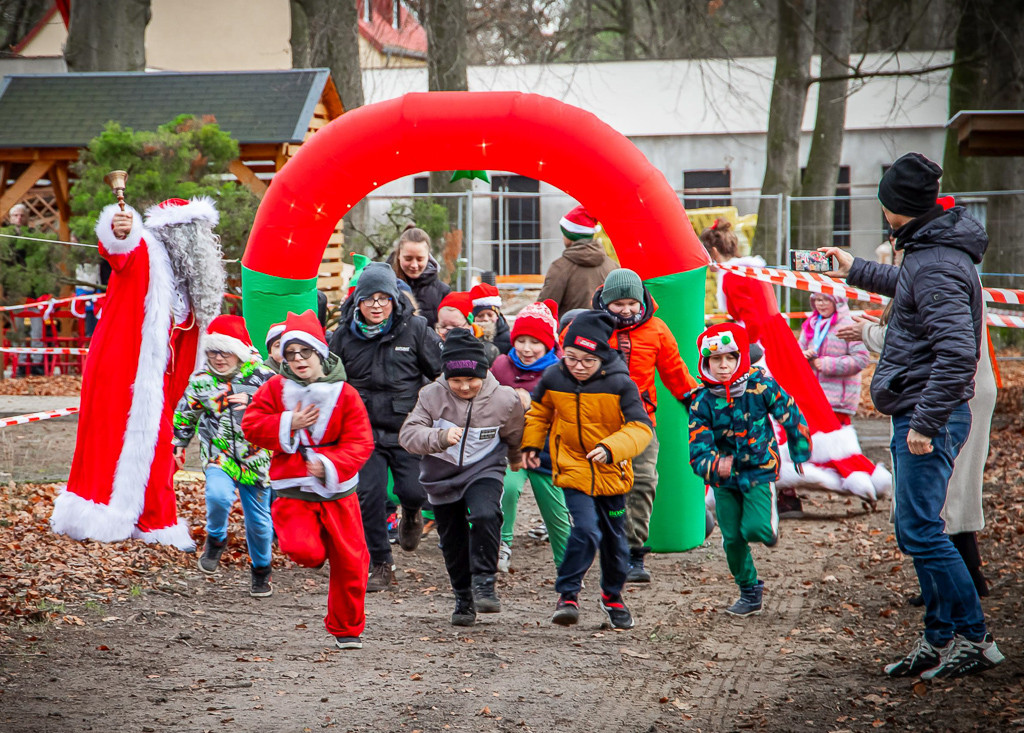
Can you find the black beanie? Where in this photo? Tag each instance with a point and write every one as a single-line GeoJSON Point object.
{"type": "Point", "coordinates": [463, 355]}
{"type": "Point", "coordinates": [590, 331]}
{"type": "Point", "coordinates": [910, 186]}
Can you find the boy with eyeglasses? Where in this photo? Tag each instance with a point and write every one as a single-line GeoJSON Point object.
{"type": "Point", "coordinates": [317, 426]}
{"type": "Point", "coordinates": [597, 424]}
{"type": "Point", "coordinates": [212, 406]}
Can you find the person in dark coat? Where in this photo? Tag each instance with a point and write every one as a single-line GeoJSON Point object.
{"type": "Point", "coordinates": [924, 379]}
{"type": "Point", "coordinates": [413, 264]}
{"type": "Point", "coordinates": [389, 354]}
{"type": "Point", "coordinates": [572, 279]}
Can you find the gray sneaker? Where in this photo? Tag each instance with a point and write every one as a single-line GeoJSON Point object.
{"type": "Point", "coordinates": [382, 577]}
{"type": "Point", "coordinates": [209, 561]}
{"type": "Point", "coordinates": [961, 657]}
{"type": "Point", "coordinates": [922, 657]}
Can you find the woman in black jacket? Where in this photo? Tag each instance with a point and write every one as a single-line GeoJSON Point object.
{"type": "Point", "coordinates": [413, 263]}
{"type": "Point", "coordinates": [389, 353]}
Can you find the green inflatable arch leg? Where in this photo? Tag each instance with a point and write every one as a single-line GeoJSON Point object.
{"type": "Point", "coordinates": [677, 523]}
{"type": "Point", "coordinates": [268, 299]}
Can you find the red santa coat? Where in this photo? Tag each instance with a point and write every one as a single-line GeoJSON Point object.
{"type": "Point", "coordinates": [341, 439]}
{"type": "Point", "coordinates": [138, 366]}
{"type": "Point", "coordinates": [836, 455]}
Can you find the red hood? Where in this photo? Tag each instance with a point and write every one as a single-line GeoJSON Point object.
{"type": "Point", "coordinates": [723, 338]}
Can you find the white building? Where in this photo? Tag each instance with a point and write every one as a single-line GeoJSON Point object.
{"type": "Point", "coordinates": [703, 124]}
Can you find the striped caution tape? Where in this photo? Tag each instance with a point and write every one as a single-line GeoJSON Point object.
{"type": "Point", "coordinates": [50, 303]}
{"type": "Point", "coordinates": [42, 350]}
{"type": "Point", "coordinates": [1005, 321]}
{"type": "Point", "coordinates": [1004, 295]}
{"type": "Point", "coordinates": [36, 416]}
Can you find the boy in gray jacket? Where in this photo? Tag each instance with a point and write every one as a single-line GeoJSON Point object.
{"type": "Point", "coordinates": [468, 428]}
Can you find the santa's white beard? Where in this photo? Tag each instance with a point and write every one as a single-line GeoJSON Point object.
{"type": "Point", "coordinates": [197, 262]}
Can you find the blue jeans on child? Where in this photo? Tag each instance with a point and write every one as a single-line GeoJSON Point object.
{"type": "Point", "coordinates": [598, 524]}
{"type": "Point", "coordinates": [259, 530]}
{"type": "Point", "coordinates": [951, 601]}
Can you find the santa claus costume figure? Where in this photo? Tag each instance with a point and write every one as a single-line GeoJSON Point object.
{"type": "Point", "coordinates": [836, 458]}
{"type": "Point", "coordinates": [166, 286]}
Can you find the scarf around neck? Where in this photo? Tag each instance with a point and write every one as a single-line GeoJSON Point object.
{"type": "Point", "coordinates": [367, 332]}
{"type": "Point", "coordinates": [538, 366]}
{"type": "Point", "coordinates": [820, 326]}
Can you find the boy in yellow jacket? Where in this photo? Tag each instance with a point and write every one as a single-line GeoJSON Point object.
{"type": "Point", "coordinates": [592, 409]}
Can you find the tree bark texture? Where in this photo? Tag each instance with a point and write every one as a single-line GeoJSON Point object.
{"type": "Point", "coordinates": [299, 39]}
{"type": "Point", "coordinates": [107, 35]}
{"type": "Point", "coordinates": [333, 32]}
{"type": "Point", "coordinates": [789, 96]}
{"type": "Point", "coordinates": [812, 220]}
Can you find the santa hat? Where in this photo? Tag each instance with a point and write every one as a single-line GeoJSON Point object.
{"type": "Point", "coordinates": [485, 296]}
{"type": "Point", "coordinates": [539, 321]}
{"type": "Point", "coordinates": [304, 328]}
{"type": "Point", "coordinates": [724, 338]}
{"type": "Point", "coordinates": [578, 224]}
{"type": "Point", "coordinates": [228, 334]}
{"type": "Point", "coordinates": [274, 333]}
{"type": "Point", "coordinates": [462, 302]}
{"type": "Point", "coordinates": [179, 211]}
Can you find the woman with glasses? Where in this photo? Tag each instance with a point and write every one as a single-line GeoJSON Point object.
{"type": "Point", "coordinates": [389, 354]}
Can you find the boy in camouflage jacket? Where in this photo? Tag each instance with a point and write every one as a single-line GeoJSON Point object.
{"type": "Point", "coordinates": [733, 448]}
{"type": "Point", "coordinates": [212, 406]}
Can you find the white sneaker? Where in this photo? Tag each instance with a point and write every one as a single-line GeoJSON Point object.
{"type": "Point", "coordinates": [504, 558]}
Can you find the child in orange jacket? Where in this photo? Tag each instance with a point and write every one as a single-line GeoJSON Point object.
{"type": "Point", "coordinates": [646, 345]}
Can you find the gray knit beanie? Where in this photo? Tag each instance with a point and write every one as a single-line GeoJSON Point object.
{"type": "Point", "coordinates": [376, 277]}
{"type": "Point", "coordinates": [622, 283]}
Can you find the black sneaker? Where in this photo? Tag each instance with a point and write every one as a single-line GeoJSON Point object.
{"type": "Point", "coordinates": [618, 615]}
{"type": "Point", "coordinates": [962, 657]}
{"type": "Point", "coordinates": [750, 602]}
{"type": "Point", "coordinates": [382, 577]}
{"type": "Point", "coordinates": [260, 583]}
{"type": "Point", "coordinates": [637, 573]}
{"type": "Point", "coordinates": [567, 611]}
{"type": "Point", "coordinates": [348, 642]}
{"type": "Point", "coordinates": [210, 559]}
{"type": "Point", "coordinates": [410, 529]}
{"type": "Point", "coordinates": [465, 612]}
{"type": "Point", "coordinates": [484, 598]}
{"type": "Point", "coordinates": [922, 657]}
{"type": "Point", "coordinates": [790, 506]}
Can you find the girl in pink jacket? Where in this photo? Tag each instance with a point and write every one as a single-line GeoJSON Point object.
{"type": "Point", "coordinates": [837, 363]}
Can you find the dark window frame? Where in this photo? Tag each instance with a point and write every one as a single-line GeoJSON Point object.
{"type": "Point", "coordinates": [522, 222]}
{"type": "Point", "coordinates": [707, 181]}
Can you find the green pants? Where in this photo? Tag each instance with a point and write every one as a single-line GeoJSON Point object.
{"type": "Point", "coordinates": [640, 499]}
{"type": "Point", "coordinates": [550, 500]}
{"type": "Point", "coordinates": [745, 518]}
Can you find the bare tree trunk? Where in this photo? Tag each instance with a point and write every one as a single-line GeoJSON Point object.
{"type": "Point", "coordinates": [333, 32]}
{"type": "Point", "coordinates": [789, 96]}
{"type": "Point", "coordinates": [813, 219]}
{"type": "Point", "coordinates": [107, 35]}
{"type": "Point", "coordinates": [445, 23]}
{"type": "Point", "coordinates": [989, 74]}
{"type": "Point", "coordinates": [628, 24]}
{"type": "Point", "coordinates": [674, 22]}
{"type": "Point", "coordinates": [299, 39]}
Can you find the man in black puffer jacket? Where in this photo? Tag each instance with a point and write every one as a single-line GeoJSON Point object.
{"type": "Point", "coordinates": [924, 378]}
{"type": "Point", "coordinates": [389, 354]}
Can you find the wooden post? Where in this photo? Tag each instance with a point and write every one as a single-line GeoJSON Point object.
{"type": "Point", "coordinates": [25, 181]}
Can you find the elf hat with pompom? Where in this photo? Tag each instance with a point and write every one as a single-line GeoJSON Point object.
{"type": "Point", "coordinates": [485, 296]}
{"type": "Point", "coordinates": [228, 334]}
{"type": "Point", "coordinates": [305, 329]}
{"type": "Point", "coordinates": [462, 302]}
{"type": "Point", "coordinates": [724, 338]}
{"type": "Point", "coordinates": [539, 321]}
{"type": "Point", "coordinates": [578, 224]}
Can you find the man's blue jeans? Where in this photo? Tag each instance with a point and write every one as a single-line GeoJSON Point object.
{"type": "Point", "coordinates": [951, 601]}
{"type": "Point", "coordinates": [259, 530]}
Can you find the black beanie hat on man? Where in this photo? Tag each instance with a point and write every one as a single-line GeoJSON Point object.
{"type": "Point", "coordinates": [590, 331]}
{"type": "Point", "coordinates": [910, 186]}
{"type": "Point", "coordinates": [463, 355]}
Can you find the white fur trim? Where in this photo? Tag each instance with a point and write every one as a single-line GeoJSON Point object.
{"type": "Point", "coordinates": [200, 207]}
{"type": "Point", "coordinates": [859, 484]}
{"type": "Point", "coordinates": [322, 394]}
{"type": "Point", "coordinates": [223, 342]}
{"type": "Point", "coordinates": [289, 443]}
{"type": "Point", "coordinates": [881, 479]}
{"type": "Point", "coordinates": [105, 234]}
{"type": "Point", "coordinates": [307, 338]}
{"type": "Point", "coordinates": [177, 535]}
{"type": "Point", "coordinates": [86, 520]}
{"type": "Point", "coordinates": [575, 228]}
{"type": "Point", "coordinates": [823, 477]}
{"type": "Point", "coordinates": [494, 300]}
{"type": "Point", "coordinates": [834, 446]}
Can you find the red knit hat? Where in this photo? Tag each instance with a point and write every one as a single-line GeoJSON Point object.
{"type": "Point", "coordinates": [485, 296]}
{"type": "Point", "coordinates": [578, 224]}
{"type": "Point", "coordinates": [538, 320]}
{"type": "Point", "coordinates": [305, 328]}
{"type": "Point", "coordinates": [462, 302]}
{"type": "Point", "coordinates": [229, 334]}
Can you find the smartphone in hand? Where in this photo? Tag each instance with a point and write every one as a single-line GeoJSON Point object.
{"type": "Point", "coordinates": [811, 260]}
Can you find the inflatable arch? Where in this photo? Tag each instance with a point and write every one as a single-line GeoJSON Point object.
{"type": "Point", "coordinates": [527, 134]}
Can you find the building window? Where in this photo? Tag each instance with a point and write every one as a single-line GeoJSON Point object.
{"type": "Point", "coordinates": [515, 226]}
{"type": "Point", "coordinates": [421, 185]}
{"type": "Point", "coordinates": [716, 186]}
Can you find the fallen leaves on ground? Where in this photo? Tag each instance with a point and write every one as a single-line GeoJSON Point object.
{"type": "Point", "coordinates": [42, 386]}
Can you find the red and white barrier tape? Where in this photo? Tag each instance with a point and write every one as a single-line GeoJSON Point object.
{"type": "Point", "coordinates": [50, 303]}
{"type": "Point", "coordinates": [36, 416]}
{"type": "Point", "coordinates": [809, 281]}
{"type": "Point", "coordinates": [46, 350]}
{"type": "Point", "coordinates": [1005, 321]}
{"type": "Point", "coordinates": [1004, 295]}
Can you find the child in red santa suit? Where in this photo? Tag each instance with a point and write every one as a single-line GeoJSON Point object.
{"type": "Point", "coordinates": [317, 427]}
